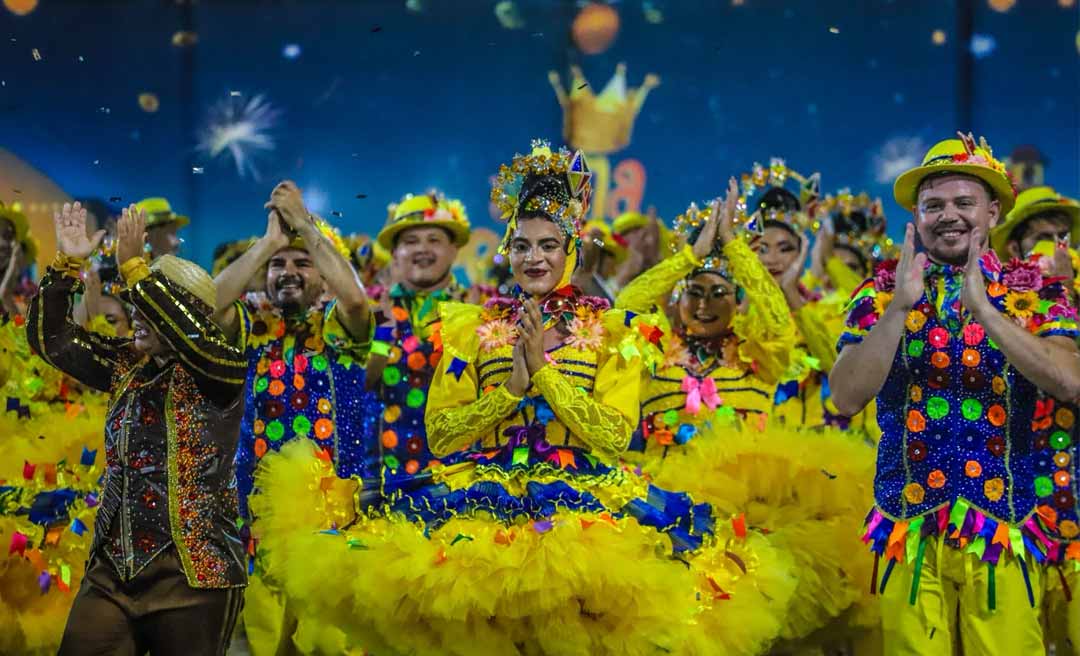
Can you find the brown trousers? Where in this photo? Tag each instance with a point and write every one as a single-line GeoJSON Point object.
{"type": "Point", "coordinates": [156, 612]}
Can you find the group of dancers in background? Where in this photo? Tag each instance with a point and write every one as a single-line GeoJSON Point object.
{"type": "Point", "coordinates": [764, 429]}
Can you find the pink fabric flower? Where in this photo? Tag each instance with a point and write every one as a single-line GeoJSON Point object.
{"type": "Point", "coordinates": [1022, 276]}
{"type": "Point", "coordinates": [586, 333]}
{"type": "Point", "coordinates": [496, 334]}
{"type": "Point", "coordinates": [885, 276]}
{"type": "Point", "coordinates": [991, 265]}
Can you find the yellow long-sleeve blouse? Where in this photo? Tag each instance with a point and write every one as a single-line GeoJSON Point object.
{"type": "Point", "coordinates": [588, 395]}
{"type": "Point", "coordinates": [753, 360]}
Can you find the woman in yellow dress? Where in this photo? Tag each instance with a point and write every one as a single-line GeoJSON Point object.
{"type": "Point", "coordinates": [527, 537]}
{"type": "Point", "coordinates": [706, 413]}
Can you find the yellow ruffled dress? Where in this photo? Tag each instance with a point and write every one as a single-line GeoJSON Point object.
{"type": "Point", "coordinates": [49, 478]}
{"type": "Point", "coordinates": [533, 541]}
{"type": "Point", "coordinates": [806, 489]}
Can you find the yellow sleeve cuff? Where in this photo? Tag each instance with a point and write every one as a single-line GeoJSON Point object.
{"type": "Point", "coordinates": [134, 270]}
{"type": "Point", "coordinates": [689, 250]}
{"type": "Point", "coordinates": [69, 266]}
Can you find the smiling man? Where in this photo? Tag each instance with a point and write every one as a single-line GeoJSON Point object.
{"type": "Point", "coordinates": [957, 347]}
{"type": "Point", "coordinates": [304, 374]}
{"type": "Point", "coordinates": [423, 237]}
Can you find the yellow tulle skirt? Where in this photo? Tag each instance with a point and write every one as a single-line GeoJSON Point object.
{"type": "Point", "coordinates": [580, 584]}
{"type": "Point", "coordinates": [40, 455]}
{"type": "Point", "coordinates": [808, 491]}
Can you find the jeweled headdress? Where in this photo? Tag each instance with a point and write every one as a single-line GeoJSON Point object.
{"type": "Point", "coordinates": [777, 176]}
{"type": "Point", "coordinates": [858, 222]}
{"type": "Point", "coordinates": [688, 226]}
{"type": "Point", "coordinates": [555, 184]}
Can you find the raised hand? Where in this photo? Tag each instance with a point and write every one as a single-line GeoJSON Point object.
{"type": "Point", "coordinates": [130, 234]}
{"type": "Point", "coordinates": [909, 273]}
{"type": "Point", "coordinates": [71, 237]}
{"type": "Point", "coordinates": [275, 235]}
{"type": "Point", "coordinates": [789, 281]}
{"type": "Point", "coordinates": [973, 295]}
{"type": "Point", "coordinates": [531, 336]}
{"type": "Point", "coordinates": [289, 202]}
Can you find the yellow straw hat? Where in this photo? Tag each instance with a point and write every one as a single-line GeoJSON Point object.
{"type": "Point", "coordinates": [14, 214]}
{"type": "Point", "coordinates": [159, 212]}
{"type": "Point", "coordinates": [427, 210]}
{"type": "Point", "coordinates": [1029, 204]}
{"type": "Point", "coordinates": [958, 156]}
{"type": "Point", "coordinates": [189, 276]}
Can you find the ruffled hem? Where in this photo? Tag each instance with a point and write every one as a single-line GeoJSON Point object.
{"type": "Point", "coordinates": [806, 490]}
{"type": "Point", "coordinates": [576, 582]}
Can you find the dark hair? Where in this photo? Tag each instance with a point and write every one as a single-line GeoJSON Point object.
{"type": "Point", "coordinates": [954, 174]}
{"type": "Point", "coordinates": [1020, 230]}
{"type": "Point", "coordinates": [773, 223]}
{"type": "Point", "coordinates": [779, 198]}
{"type": "Point", "coordinates": [858, 256]}
{"type": "Point", "coordinates": [854, 223]}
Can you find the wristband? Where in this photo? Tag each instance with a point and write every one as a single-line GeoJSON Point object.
{"type": "Point", "coordinates": [379, 347]}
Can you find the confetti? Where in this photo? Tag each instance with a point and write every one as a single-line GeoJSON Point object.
{"type": "Point", "coordinates": [148, 102]}
{"type": "Point", "coordinates": [115, 199]}
{"type": "Point", "coordinates": [104, 110]}
{"type": "Point", "coordinates": [96, 162]}
{"type": "Point", "coordinates": [938, 37]}
{"type": "Point", "coordinates": [509, 17]}
{"type": "Point", "coordinates": [35, 54]}
{"type": "Point", "coordinates": [416, 53]}
{"type": "Point", "coordinates": [376, 29]}
{"type": "Point", "coordinates": [81, 59]}
{"type": "Point", "coordinates": [290, 51]}
{"type": "Point", "coordinates": [361, 196]}
{"type": "Point", "coordinates": [583, 86]}
{"type": "Point", "coordinates": [183, 39]}
{"type": "Point", "coordinates": [197, 170]}
{"type": "Point", "coordinates": [234, 94]}
{"type": "Point", "coordinates": [415, 6]}
{"type": "Point", "coordinates": [337, 214]}
{"type": "Point", "coordinates": [537, 34]}
{"type": "Point", "coordinates": [834, 30]}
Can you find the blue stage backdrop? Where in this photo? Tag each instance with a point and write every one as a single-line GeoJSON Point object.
{"type": "Point", "coordinates": [360, 102]}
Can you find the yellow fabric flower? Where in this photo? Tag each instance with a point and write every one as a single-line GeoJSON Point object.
{"type": "Point", "coordinates": [914, 493]}
{"type": "Point", "coordinates": [994, 489]}
{"type": "Point", "coordinates": [881, 301]}
{"type": "Point", "coordinates": [915, 320]}
{"type": "Point", "coordinates": [1021, 304]}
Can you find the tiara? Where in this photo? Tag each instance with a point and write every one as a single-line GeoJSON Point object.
{"type": "Point", "coordinates": [778, 175]}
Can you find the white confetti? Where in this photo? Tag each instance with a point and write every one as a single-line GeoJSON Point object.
{"type": "Point", "coordinates": [234, 94]}
{"type": "Point", "coordinates": [197, 170]}
{"type": "Point", "coordinates": [834, 30]}
{"type": "Point", "coordinates": [35, 54]}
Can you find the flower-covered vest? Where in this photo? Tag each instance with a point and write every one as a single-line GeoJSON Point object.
{"type": "Point", "coordinates": [956, 455]}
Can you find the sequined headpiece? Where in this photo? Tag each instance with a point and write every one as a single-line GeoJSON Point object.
{"type": "Point", "coordinates": [859, 222]}
{"type": "Point", "coordinates": [555, 184]}
{"type": "Point", "coordinates": [688, 226]}
{"type": "Point", "coordinates": [777, 176]}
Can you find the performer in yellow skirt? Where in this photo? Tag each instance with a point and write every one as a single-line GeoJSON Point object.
{"type": "Point", "coordinates": [525, 537]}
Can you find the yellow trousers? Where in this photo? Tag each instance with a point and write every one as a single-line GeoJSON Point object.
{"type": "Point", "coordinates": [1062, 618]}
{"type": "Point", "coordinates": [951, 613]}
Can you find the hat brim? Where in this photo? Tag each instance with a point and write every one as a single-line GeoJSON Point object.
{"type": "Point", "coordinates": [906, 188]}
{"type": "Point", "coordinates": [999, 236]}
{"type": "Point", "coordinates": [179, 219]}
{"type": "Point", "coordinates": [387, 235]}
{"type": "Point", "coordinates": [18, 221]}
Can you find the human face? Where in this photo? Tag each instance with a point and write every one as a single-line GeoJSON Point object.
{"type": "Point", "coordinates": [537, 256]}
{"type": "Point", "coordinates": [114, 313]}
{"type": "Point", "coordinates": [292, 281]}
{"type": "Point", "coordinates": [1055, 228]}
{"type": "Point", "coordinates": [948, 210]}
{"type": "Point", "coordinates": [777, 249]}
{"type": "Point", "coordinates": [7, 242]}
{"type": "Point", "coordinates": [163, 240]}
{"type": "Point", "coordinates": [707, 305]}
{"type": "Point", "coordinates": [146, 339]}
{"type": "Point", "coordinates": [424, 256]}
{"type": "Point", "coordinates": [846, 255]}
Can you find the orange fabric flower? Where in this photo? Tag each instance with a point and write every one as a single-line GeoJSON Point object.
{"type": "Point", "coordinates": [1062, 459]}
{"type": "Point", "coordinates": [996, 415]}
{"type": "Point", "coordinates": [260, 447]}
{"type": "Point", "coordinates": [324, 428]}
{"type": "Point", "coordinates": [1062, 478]}
{"type": "Point", "coordinates": [916, 422]}
{"type": "Point", "coordinates": [936, 479]}
{"type": "Point", "coordinates": [277, 388]}
{"type": "Point", "coordinates": [411, 467]}
{"type": "Point", "coordinates": [972, 469]}
{"type": "Point", "coordinates": [996, 289]}
{"type": "Point", "coordinates": [971, 358]}
{"type": "Point", "coordinates": [914, 493]}
{"type": "Point", "coordinates": [994, 488]}
{"type": "Point", "coordinates": [298, 382]}
{"type": "Point", "coordinates": [417, 360]}
{"type": "Point", "coordinates": [940, 359]}
{"type": "Point", "coordinates": [389, 439]}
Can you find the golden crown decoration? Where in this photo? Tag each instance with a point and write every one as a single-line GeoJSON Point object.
{"type": "Point", "coordinates": [600, 124]}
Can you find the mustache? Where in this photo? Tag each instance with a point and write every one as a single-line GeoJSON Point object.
{"type": "Point", "coordinates": [290, 280]}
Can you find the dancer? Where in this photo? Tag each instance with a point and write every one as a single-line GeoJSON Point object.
{"type": "Point", "coordinates": [166, 570]}
{"type": "Point", "coordinates": [956, 347]}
